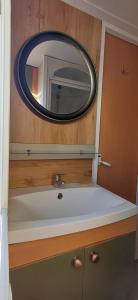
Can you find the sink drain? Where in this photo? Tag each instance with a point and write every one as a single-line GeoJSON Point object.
{"type": "Point", "coordinates": [60, 196]}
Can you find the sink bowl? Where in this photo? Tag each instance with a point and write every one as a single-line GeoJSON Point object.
{"type": "Point", "coordinates": [38, 213]}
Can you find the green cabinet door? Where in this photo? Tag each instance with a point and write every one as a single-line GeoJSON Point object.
{"type": "Point", "coordinates": [53, 279]}
{"type": "Point", "coordinates": [109, 278]}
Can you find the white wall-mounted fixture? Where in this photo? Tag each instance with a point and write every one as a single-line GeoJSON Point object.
{"type": "Point", "coordinates": [103, 162]}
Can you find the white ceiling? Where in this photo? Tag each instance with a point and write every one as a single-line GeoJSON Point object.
{"type": "Point", "coordinates": [55, 49]}
{"type": "Point", "coordinates": [124, 9]}
{"type": "Point", "coordinates": [120, 13]}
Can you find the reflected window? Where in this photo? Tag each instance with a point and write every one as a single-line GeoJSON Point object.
{"type": "Point", "coordinates": [65, 98]}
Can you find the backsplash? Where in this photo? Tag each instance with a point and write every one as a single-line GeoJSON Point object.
{"type": "Point", "coordinates": [38, 173]}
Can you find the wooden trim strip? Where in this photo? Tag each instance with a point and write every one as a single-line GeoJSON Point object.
{"type": "Point", "coordinates": [29, 252]}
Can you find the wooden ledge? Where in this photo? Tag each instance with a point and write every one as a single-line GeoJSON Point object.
{"type": "Point", "coordinates": [30, 252]}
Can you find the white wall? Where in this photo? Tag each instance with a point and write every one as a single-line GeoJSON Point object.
{"type": "Point", "coordinates": [5, 32]}
{"type": "Point", "coordinates": [4, 143]}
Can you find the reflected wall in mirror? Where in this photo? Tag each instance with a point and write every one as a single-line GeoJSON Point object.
{"type": "Point", "coordinates": [55, 76]}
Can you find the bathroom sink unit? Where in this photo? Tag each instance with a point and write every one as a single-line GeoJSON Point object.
{"type": "Point", "coordinates": [41, 213]}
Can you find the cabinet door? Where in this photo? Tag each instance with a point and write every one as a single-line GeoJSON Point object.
{"type": "Point", "coordinates": [110, 278]}
{"type": "Point", "coordinates": [52, 279]}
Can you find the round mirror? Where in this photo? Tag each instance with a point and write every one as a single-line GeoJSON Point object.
{"type": "Point", "coordinates": [55, 77]}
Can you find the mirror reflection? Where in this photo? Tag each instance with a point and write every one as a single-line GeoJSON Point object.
{"type": "Point", "coordinates": [58, 77]}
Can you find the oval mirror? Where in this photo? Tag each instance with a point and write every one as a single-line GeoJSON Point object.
{"type": "Point", "coordinates": [55, 77]}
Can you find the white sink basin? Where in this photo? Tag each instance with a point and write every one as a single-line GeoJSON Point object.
{"type": "Point", "coordinates": [38, 213]}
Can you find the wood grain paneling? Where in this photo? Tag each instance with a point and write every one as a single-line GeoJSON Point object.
{"type": "Point", "coordinates": [24, 23]}
{"type": "Point", "coordinates": [38, 173]}
{"type": "Point", "coordinates": [28, 18]}
{"type": "Point", "coordinates": [26, 253]}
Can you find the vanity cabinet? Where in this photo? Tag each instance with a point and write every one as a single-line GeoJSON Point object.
{"type": "Point", "coordinates": [110, 276]}
{"type": "Point", "coordinates": [52, 279]}
{"type": "Point", "coordinates": [103, 271]}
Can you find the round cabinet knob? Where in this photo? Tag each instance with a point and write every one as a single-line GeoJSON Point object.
{"type": "Point", "coordinates": [77, 263]}
{"type": "Point", "coordinates": [94, 257]}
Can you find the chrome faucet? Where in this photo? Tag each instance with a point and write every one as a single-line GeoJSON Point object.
{"type": "Point", "coordinates": [57, 181]}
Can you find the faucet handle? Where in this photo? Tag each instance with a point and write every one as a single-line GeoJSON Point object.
{"type": "Point", "coordinates": [57, 179]}
{"type": "Point", "coordinates": [58, 176]}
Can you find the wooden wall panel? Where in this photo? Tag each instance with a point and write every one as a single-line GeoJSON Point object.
{"type": "Point", "coordinates": [24, 23]}
{"type": "Point", "coordinates": [28, 18]}
{"type": "Point", "coordinates": [38, 173]}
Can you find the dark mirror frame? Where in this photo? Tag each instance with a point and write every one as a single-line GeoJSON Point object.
{"type": "Point", "coordinates": [22, 86]}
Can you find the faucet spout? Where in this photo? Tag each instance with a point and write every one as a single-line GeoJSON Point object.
{"type": "Point", "coordinates": [58, 181]}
